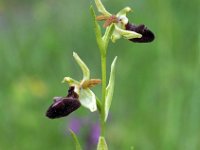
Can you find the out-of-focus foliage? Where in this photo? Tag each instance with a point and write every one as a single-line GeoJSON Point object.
{"type": "Point", "coordinates": [156, 103]}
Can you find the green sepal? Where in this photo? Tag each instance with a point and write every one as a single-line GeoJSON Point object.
{"type": "Point", "coordinates": [102, 144]}
{"type": "Point", "coordinates": [83, 66]}
{"type": "Point", "coordinates": [124, 11]}
{"type": "Point", "coordinates": [70, 81]}
{"type": "Point", "coordinates": [110, 89]}
{"type": "Point", "coordinates": [101, 8]}
{"type": "Point", "coordinates": [78, 146]}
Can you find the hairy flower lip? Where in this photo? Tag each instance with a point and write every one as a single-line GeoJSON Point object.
{"type": "Point", "coordinates": [63, 106]}
{"type": "Point", "coordinates": [147, 35]}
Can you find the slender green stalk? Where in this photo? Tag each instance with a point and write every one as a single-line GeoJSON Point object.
{"type": "Point", "coordinates": [103, 69]}
{"type": "Point", "coordinates": [102, 42]}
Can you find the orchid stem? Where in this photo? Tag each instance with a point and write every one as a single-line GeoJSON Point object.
{"type": "Point", "coordinates": [103, 69]}
{"type": "Point", "coordinates": [102, 42]}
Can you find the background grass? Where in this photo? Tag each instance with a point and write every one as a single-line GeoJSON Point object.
{"type": "Point", "coordinates": [156, 103]}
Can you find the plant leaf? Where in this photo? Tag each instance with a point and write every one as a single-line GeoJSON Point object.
{"type": "Point", "coordinates": [78, 146]}
{"type": "Point", "coordinates": [110, 88]}
{"type": "Point", "coordinates": [102, 144]}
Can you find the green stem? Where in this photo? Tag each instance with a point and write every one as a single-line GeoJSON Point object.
{"type": "Point", "coordinates": [102, 43]}
{"type": "Point", "coordinates": [103, 69]}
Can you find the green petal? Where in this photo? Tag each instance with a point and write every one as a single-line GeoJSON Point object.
{"type": "Point", "coordinates": [127, 34]}
{"type": "Point", "coordinates": [78, 146]}
{"type": "Point", "coordinates": [101, 8]}
{"type": "Point", "coordinates": [110, 89]}
{"type": "Point", "coordinates": [70, 81]}
{"type": "Point", "coordinates": [84, 68]}
{"type": "Point", "coordinates": [102, 144]}
{"type": "Point", "coordinates": [88, 99]}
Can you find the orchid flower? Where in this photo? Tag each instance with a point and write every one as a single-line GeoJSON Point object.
{"type": "Point", "coordinates": [122, 26]}
{"type": "Point", "coordinates": [86, 97]}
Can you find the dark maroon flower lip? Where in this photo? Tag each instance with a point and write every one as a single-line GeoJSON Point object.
{"type": "Point", "coordinates": [147, 35]}
{"type": "Point", "coordinates": [63, 106]}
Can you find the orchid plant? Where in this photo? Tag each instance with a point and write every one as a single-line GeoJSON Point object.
{"type": "Point", "coordinates": [80, 93]}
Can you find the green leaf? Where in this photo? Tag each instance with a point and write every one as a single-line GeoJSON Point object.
{"type": "Point", "coordinates": [102, 144]}
{"type": "Point", "coordinates": [110, 89]}
{"type": "Point", "coordinates": [78, 146]}
{"type": "Point", "coordinates": [84, 68]}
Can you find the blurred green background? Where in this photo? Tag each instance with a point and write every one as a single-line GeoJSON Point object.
{"type": "Point", "coordinates": [156, 103]}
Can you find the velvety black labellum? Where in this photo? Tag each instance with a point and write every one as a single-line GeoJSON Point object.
{"type": "Point", "coordinates": [147, 35]}
{"type": "Point", "coordinates": [63, 106]}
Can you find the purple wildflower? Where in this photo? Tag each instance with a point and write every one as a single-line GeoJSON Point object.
{"type": "Point", "coordinates": [94, 133]}
{"type": "Point", "coordinates": [93, 136]}
{"type": "Point", "coordinates": [75, 125]}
